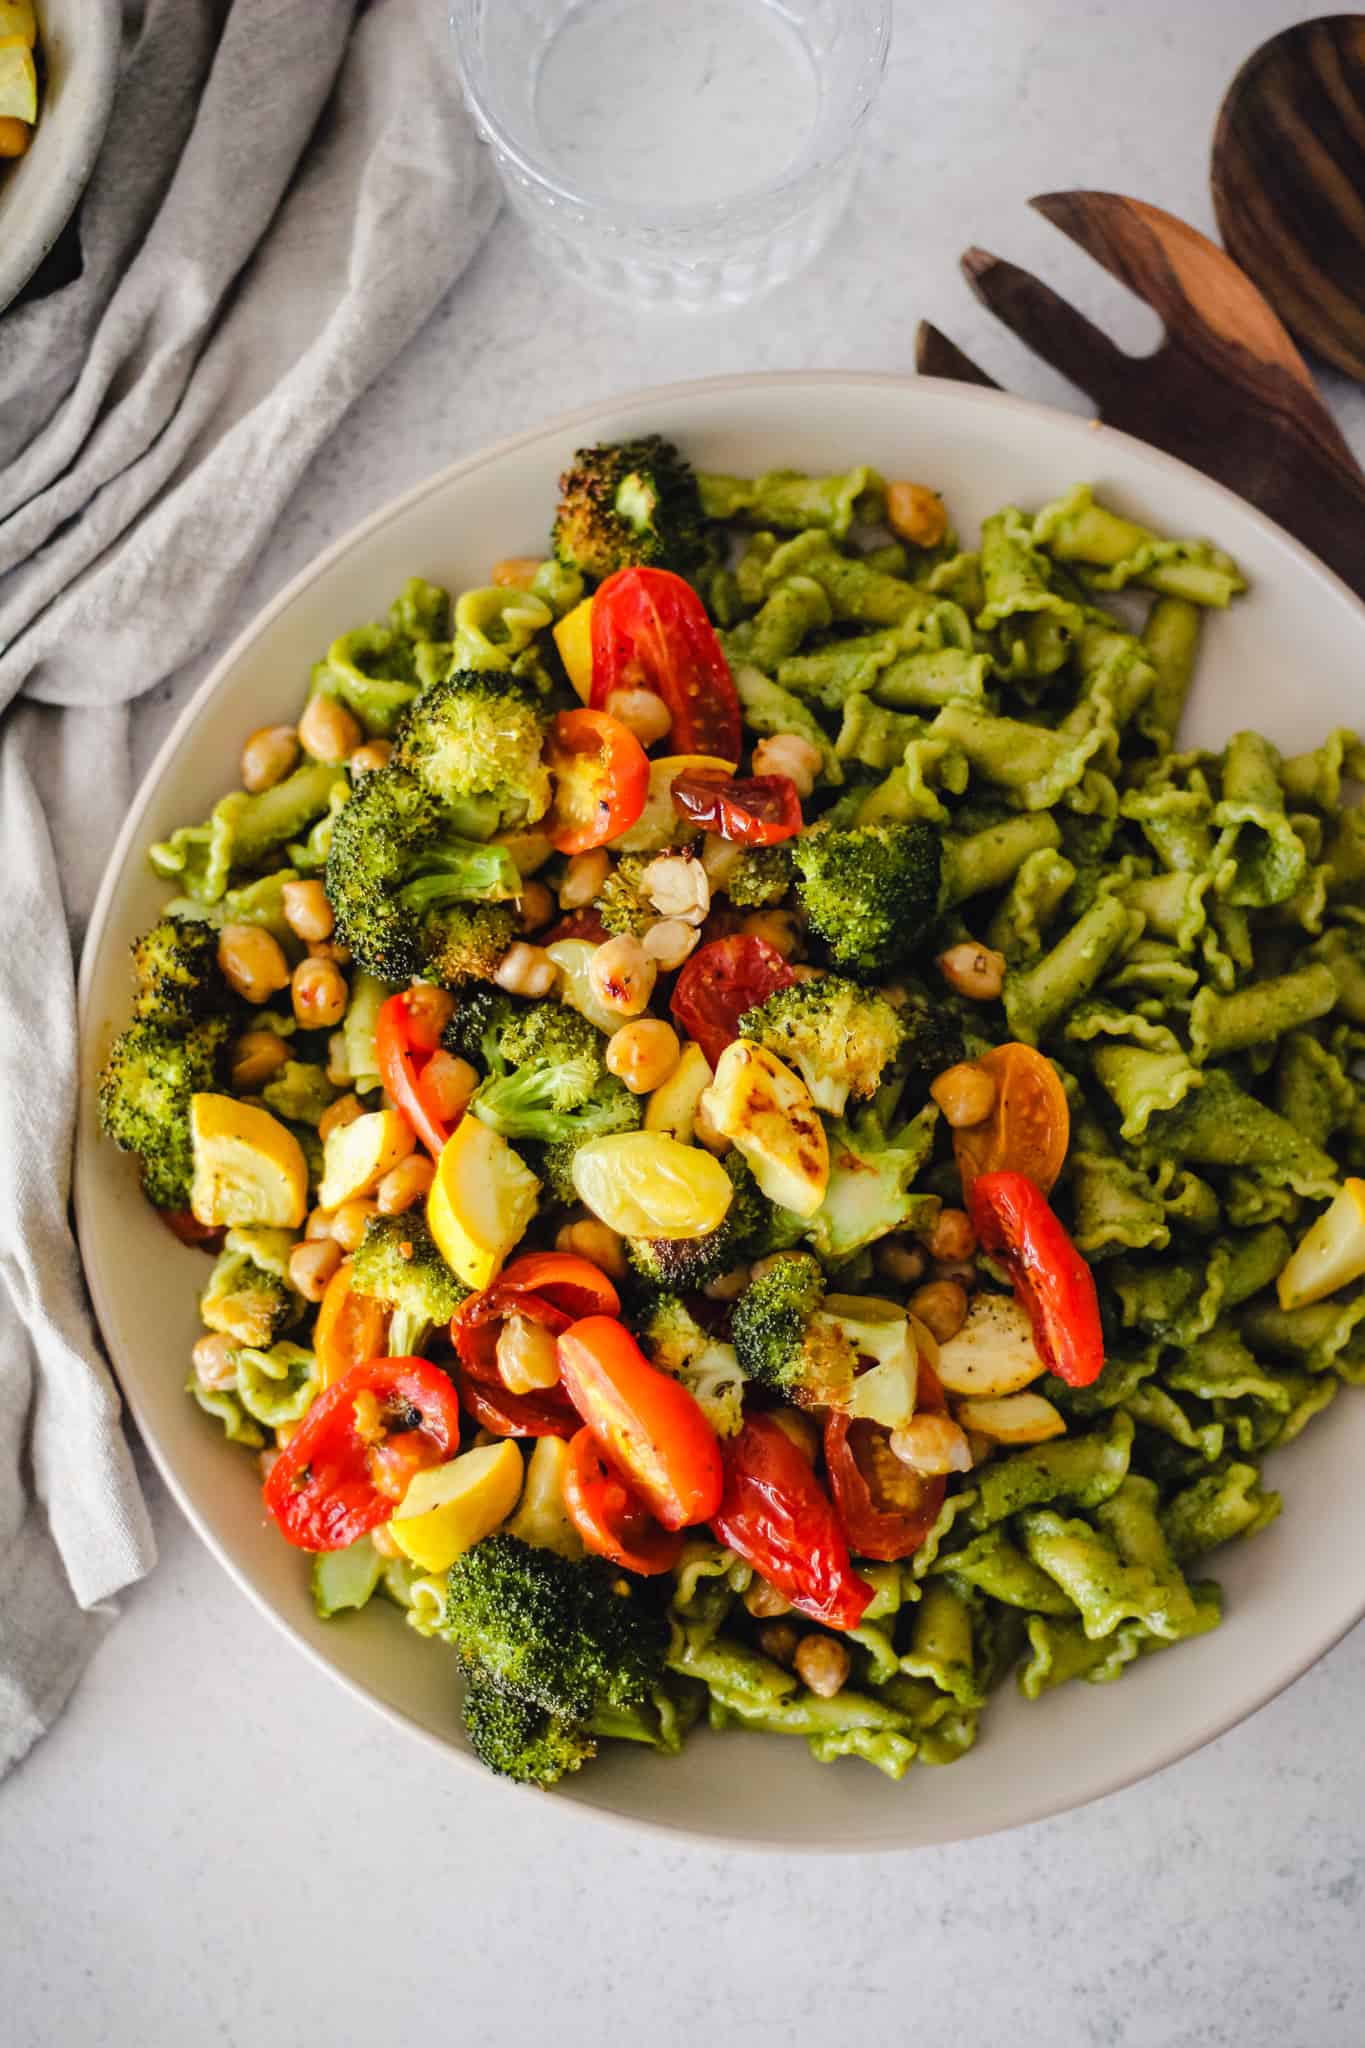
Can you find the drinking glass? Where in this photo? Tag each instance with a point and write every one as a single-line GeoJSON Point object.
{"type": "Point", "coordinates": [688, 152]}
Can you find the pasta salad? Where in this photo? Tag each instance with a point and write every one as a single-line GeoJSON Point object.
{"type": "Point", "coordinates": [768, 1146]}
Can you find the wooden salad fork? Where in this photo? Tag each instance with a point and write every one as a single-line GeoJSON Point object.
{"type": "Point", "coordinates": [1227, 390]}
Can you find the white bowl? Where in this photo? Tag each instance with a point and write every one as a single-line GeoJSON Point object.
{"type": "Point", "coordinates": [38, 192]}
{"type": "Point", "coordinates": [1286, 659]}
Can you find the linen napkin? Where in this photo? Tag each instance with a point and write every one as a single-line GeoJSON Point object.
{"type": "Point", "coordinates": [285, 193]}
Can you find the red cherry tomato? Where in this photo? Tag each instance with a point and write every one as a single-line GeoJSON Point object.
{"type": "Point", "coordinates": [748, 810]}
{"type": "Point", "coordinates": [601, 779]}
{"type": "Point", "coordinates": [322, 1488]}
{"type": "Point", "coordinates": [778, 1517]}
{"type": "Point", "coordinates": [1012, 1219]}
{"type": "Point", "coordinates": [649, 1425]}
{"type": "Point", "coordinates": [579, 924]}
{"type": "Point", "coordinates": [404, 1041]}
{"type": "Point", "coordinates": [474, 1330]}
{"type": "Point", "coordinates": [502, 1414]}
{"type": "Point", "coordinates": [886, 1509]}
{"type": "Point", "coordinates": [650, 632]}
{"type": "Point", "coordinates": [609, 1514]}
{"type": "Point", "coordinates": [573, 1284]}
{"type": "Point", "coordinates": [720, 982]}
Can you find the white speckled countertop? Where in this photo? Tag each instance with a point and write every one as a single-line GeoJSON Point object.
{"type": "Point", "coordinates": [217, 1845]}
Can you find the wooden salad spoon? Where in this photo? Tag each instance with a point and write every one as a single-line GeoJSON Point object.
{"type": "Point", "coordinates": [1289, 181]}
{"type": "Point", "coordinates": [1227, 390]}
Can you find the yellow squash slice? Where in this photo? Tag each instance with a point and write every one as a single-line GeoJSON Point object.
{"type": "Point", "coordinates": [248, 1167]}
{"type": "Point", "coordinates": [481, 1201]}
{"type": "Point", "coordinates": [449, 1508]}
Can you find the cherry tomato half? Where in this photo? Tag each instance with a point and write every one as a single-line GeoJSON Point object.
{"type": "Point", "coordinates": [573, 1284]}
{"type": "Point", "coordinates": [321, 1490]}
{"type": "Point", "coordinates": [748, 810]}
{"type": "Point", "coordinates": [609, 1514]}
{"type": "Point", "coordinates": [647, 1422]}
{"type": "Point", "coordinates": [1029, 1126]}
{"type": "Point", "coordinates": [650, 631]}
{"type": "Point", "coordinates": [1051, 1279]}
{"type": "Point", "coordinates": [720, 982]}
{"type": "Point", "coordinates": [474, 1330]}
{"type": "Point", "coordinates": [601, 779]}
{"type": "Point", "coordinates": [886, 1509]}
{"type": "Point", "coordinates": [350, 1327]}
{"type": "Point", "coordinates": [777, 1516]}
{"type": "Point", "coordinates": [403, 1045]}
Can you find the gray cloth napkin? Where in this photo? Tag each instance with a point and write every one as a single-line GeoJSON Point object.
{"type": "Point", "coordinates": [287, 189]}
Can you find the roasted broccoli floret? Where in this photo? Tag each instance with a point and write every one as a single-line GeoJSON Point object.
{"type": "Point", "coordinates": [300, 1092]}
{"type": "Point", "coordinates": [872, 1163]}
{"type": "Point", "coordinates": [518, 1739]}
{"type": "Point", "coordinates": [623, 905]}
{"type": "Point", "coordinates": [411, 896]}
{"type": "Point", "coordinates": [547, 1078]}
{"type": "Point", "coordinates": [932, 1040]}
{"type": "Point", "coordinates": [783, 1338]}
{"type": "Point", "coordinates": [706, 1365]}
{"type": "Point", "coordinates": [751, 1228]}
{"type": "Point", "coordinates": [397, 1261]}
{"type": "Point", "coordinates": [474, 738]}
{"type": "Point", "coordinates": [144, 1095]}
{"type": "Point", "coordinates": [566, 1634]}
{"type": "Point", "coordinates": [759, 876]}
{"type": "Point", "coordinates": [246, 1300]}
{"type": "Point", "coordinates": [175, 966]}
{"type": "Point", "coordinates": [629, 504]}
{"type": "Point", "coordinates": [871, 892]}
{"type": "Point", "coordinates": [840, 1036]}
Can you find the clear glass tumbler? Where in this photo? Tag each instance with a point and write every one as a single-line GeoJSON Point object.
{"type": "Point", "coordinates": [689, 152]}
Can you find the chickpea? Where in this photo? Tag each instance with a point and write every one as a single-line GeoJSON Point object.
{"type": "Point", "coordinates": [215, 1362]}
{"type": "Point", "coordinates": [778, 928]}
{"type": "Point", "coordinates": [669, 942]}
{"type": "Point", "coordinates": [779, 1640]}
{"type": "Point", "coordinates": [318, 1225]}
{"type": "Point", "coordinates": [583, 878]}
{"type": "Point", "coordinates": [916, 514]}
{"type": "Point", "coordinates": [526, 970]}
{"type": "Point", "coordinates": [329, 731]}
{"type": "Point", "coordinates": [527, 1355]}
{"type": "Point", "coordinates": [763, 1601]}
{"type": "Point", "coordinates": [622, 975]}
{"type": "Point", "coordinates": [941, 1306]}
{"type": "Point", "coordinates": [307, 911]}
{"type": "Point", "coordinates": [932, 1444]}
{"type": "Point", "coordinates": [951, 1236]}
{"type": "Point", "coordinates": [404, 1185]}
{"type": "Point", "coordinates": [786, 753]}
{"type": "Point", "coordinates": [977, 972]}
{"type": "Point", "coordinates": [727, 1286]}
{"type": "Point", "coordinates": [348, 1224]}
{"type": "Point", "coordinates": [535, 907]}
{"type": "Point", "coordinates": [311, 1266]}
{"type": "Point", "coordinates": [253, 962]}
{"type": "Point", "coordinates": [447, 1084]}
{"type": "Point", "coordinates": [676, 885]}
{"type": "Point", "coordinates": [822, 1665]}
{"type": "Point", "coordinates": [965, 1093]}
{"type": "Point", "coordinates": [963, 1270]}
{"type": "Point", "coordinates": [268, 756]}
{"type": "Point", "coordinates": [255, 1057]}
{"type": "Point", "coordinates": [515, 572]}
{"type": "Point", "coordinates": [370, 757]}
{"type": "Point", "coordinates": [643, 1054]}
{"type": "Point", "coordinates": [643, 713]}
{"type": "Point", "coordinates": [15, 136]}
{"type": "Point", "coordinates": [344, 1110]}
{"type": "Point", "coordinates": [430, 1007]}
{"type": "Point", "coordinates": [319, 994]}
{"type": "Point", "coordinates": [718, 857]}
{"type": "Point", "coordinates": [596, 1243]}
{"type": "Point", "coordinates": [802, 1430]}
{"type": "Point", "coordinates": [898, 1261]}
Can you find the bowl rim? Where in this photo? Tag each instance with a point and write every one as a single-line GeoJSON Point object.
{"type": "Point", "coordinates": [579, 418]}
{"type": "Point", "coordinates": [101, 31]}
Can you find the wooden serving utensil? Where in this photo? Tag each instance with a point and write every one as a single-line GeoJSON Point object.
{"type": "Point", "coordinates": [1227, 390]}
{"type": "Point", "coordinates": [1289, 181]}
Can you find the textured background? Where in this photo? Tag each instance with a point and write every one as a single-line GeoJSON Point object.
{"type": "Point", "coordinates": [218, 1845]}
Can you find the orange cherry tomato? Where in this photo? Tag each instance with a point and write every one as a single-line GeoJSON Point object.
{"type": "Point", "coordinates": [886, 1509]}
{"type": "Point", "coordinates": [647, 1423]}
{"type": "Point", "coordinates": [601, 779]}
{"type": "Point", "coordinates": [350, 1327]}
{"type": "Point", "coordinates": [609, 1514]}
{"type": "Point", "coordinates": [1029, 1126]}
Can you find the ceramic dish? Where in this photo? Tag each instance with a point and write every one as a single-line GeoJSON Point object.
{"type": "Point", "coordinates": [38, 192]}
{"type": "Point", "coordinates": [1285, 660]}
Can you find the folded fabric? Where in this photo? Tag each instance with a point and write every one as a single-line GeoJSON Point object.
{"type": "Point", "coordinates": [284, 195]}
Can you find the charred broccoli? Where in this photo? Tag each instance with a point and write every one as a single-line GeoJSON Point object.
{"type": "Point", "coordinates": [841, 1037]}
{"type": "Point", "coordinates": [785, 1340]}
{"type": "Point", "coordinates": [870, 892]}
{"type": "Point", "coordinates": [411, 896]}
{"type": "Point", "coordinates": [759, 876]}
{"type": "Point", "coordinates": [623, 905]}
{"type": "Point", "coordinates": [751, 1228]}
{"type": "Point", "coordinates": [144, 1097]}
{"type": "Point", "coordinates": [547, 1079]}
{"type": "Point", "coordinates": [629, 504]}
{"type": "Point", "coordinates": [397, 1261]}
{"type": "Point", "coordinates": [706, 1365]}
{"type": "Point", "coordinates": [518, 1739]}
{"type": "Point", "coordinates": [246, 1299]}
{"type": "Point", "coordinates": [175, 967]}
{"type": "Point", "coordinates": [473, 741]}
